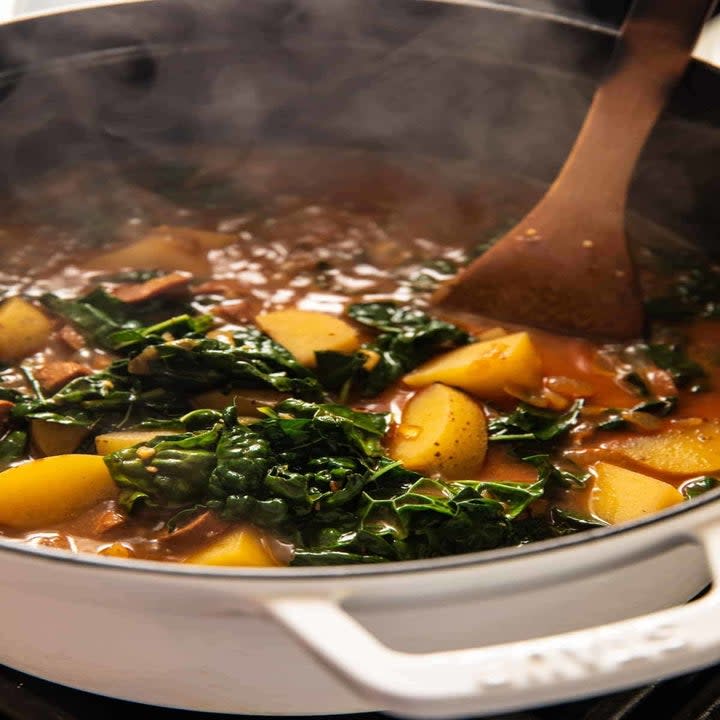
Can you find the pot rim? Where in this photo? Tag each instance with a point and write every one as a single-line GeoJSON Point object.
{"type": "Point", "coordinates": [402, 567]}
{"type": "Point", "coordinates": [62, 9]}
{"type": "Point", "coordinates": [700, 52]}
{"type": "Point", "coordinates": [585, 23]}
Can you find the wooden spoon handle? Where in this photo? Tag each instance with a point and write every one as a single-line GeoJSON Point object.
{"type": "Point", "coordinates": [653, 49]}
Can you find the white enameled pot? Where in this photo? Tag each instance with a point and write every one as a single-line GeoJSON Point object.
{"type": "Point", "coordinates": [466, 635]}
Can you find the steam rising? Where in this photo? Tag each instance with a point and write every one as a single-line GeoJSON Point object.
{"type": "Point", "coordinates": [178, 83]}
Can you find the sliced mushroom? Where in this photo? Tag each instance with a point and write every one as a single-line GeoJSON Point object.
{"type": "Point", "coordinates": [201, 528]}
{"type": "Point", "coordinates": [227, 287]}
{"type": "Point", "coordinates": [173, 283]}
{"type": "Point", "coordinates": [5, 409]}
{"type": "Point", "coordinates": [55, 374]}
{"type": "Point", "coordinates": [108, 519]}
{"type": "Point", "coordinates": [71, 337]}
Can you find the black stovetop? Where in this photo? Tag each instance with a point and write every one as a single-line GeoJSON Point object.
{"type": "Point", "coordinates": [690, 697]}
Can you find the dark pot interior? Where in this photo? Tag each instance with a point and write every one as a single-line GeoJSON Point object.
{"type": "Point", "coordinates": [145, 94]}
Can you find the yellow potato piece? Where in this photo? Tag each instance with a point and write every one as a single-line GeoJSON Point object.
{"type": "Point", "coordinates": [685, 449]}
{"type": "Point", "coordinates": [304, 333]}
{"type": "Point", "coordinates": [42, 492]}
{"type": "Point", "coordinates": [442, 431]}
{"type": "Point", "coordinates": [23, 329]}
{"type": "Point", "coordinates": [114, 441]}
{"type": "Point", "coordinates": [55, 439]}
{"type": "Point", "coordinates": [619, 495]}
{"type": "Point", "coordinates": [117, 549]}
{"type": "Point", "coordinates": [484, 368]}
{"type": "Point", "coordinates": [165, 248]}
{"type": "Point", "coordinates": [241, 547]}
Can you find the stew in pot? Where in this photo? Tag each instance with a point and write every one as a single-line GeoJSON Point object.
{"type": "Point", "coordinates": [271, 388]}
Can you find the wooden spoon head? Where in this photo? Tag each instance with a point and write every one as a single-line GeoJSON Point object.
{"type": "Point", "coordinates": [566, 266]}
{"type": "Point", "coordinates": [556, 279]}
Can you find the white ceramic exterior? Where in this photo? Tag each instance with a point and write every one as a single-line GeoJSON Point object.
{"type": "Point", "coordinates": [218, 640]}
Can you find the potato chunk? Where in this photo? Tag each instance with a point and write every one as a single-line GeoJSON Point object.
{"type": "Point", "coordinates": [442, 431]}
{"type": "Point", "coordinates": [23, 329]}
{"type": "Point", "coordinates": [484, 368]}
{"type": "Point", "coordinates": [685, 449]}
{"type": "Point", "coordinates": [42, 492]}
{"type": "Point", "coordinates": [619, 495]}
{"type": "Point", "coordinates": [164, 248]}
{"type": "Point", "coordinates": [113, 441]}
{"type": "Point", "coordinates": [241, 547]}
{"type": "Point", "coordinates": [304, 333]}
{"type": "Point", "coordinates": [55, 439]}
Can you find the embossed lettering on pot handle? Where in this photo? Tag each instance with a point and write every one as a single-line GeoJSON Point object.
{"type": "Point", "coordinates": [507, 677]}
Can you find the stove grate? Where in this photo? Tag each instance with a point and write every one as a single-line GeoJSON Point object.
{"type": "Point", "coordinates": [689, 697]}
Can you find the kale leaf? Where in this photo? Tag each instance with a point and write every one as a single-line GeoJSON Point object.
{"type": "Point", "coordinates": [151, 387]}
{"type": "Point", "coordinates": [432, 274]}
{"type": "Point", "coordinates": [673, 358]}
{"type": "Point", "coordinates": [114, 325]}
{"type": "Point", "coordinates": [614, 419]}
{"type": "Point", "coordinates": [408, 337]}
{"type": "Point", "coordinates": [12, 447]}
{"type": "Point", "coordinates": [243, 461]}
{"type": "Point", "coordinates": [170, 471]}
{"type": "Point", "coordinates": [530, 423]}
{"type": "Point", "coordinates": [698, 486]}
{"type": "Point", "coordinates": [111, 399]}
{"type": "Point", "coordinates": [131, 339]}
{"type": "Point", "coordinates": [97, 315]}
{"type": "Point", "coordinates": [695, 294]}
{"type": "Point", "coordinates": [196, 364]}
{"type": "Point", "coordinates": [10, 394]}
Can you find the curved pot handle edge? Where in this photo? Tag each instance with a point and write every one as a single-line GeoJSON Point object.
{"type": "Point", "coordinates": [507, 677]}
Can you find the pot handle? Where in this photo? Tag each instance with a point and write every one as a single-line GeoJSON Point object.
{"type": "Point", "coordinates": [507, 677]}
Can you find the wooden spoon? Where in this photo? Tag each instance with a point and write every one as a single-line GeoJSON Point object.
{"type": "Point", "coordinates": [566, 266]}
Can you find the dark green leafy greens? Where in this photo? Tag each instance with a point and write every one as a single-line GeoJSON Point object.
{"type": "Point", "coordinates": [640, 362]}
{"type": "Point", "coordinates": [699, 486]}
{"type": "Point", "coordinates": [433, 274]}
{"type": "Point", "coordinates": [151, 385]}
{"type": "Point", "coordinates": [108, 322]}
{"type": "Point", "coordinates": [686, 373]}
{"type": "Point", "coordinates": [614, 419]}
{"type": "Point", "coordinates": [528, 423]}
{"type": "Point", "coordinates": [533, 435]}
{"type": "Point", "coordinates": [9, 394]}
{"type": "Point", "coordinates": [695, 294]}
{"type": "Point", "coordinates": [133, 276]}
{"type": "Point", "coordinates": [407, 338]}
{"type": "Point", "coordinates": [96, 316]}
{"type": "Point", "coordinates": [254, 361]}
{"type": "Point", "coordinates": [12, 447]}
{"type": "Point", "coordinates": [174, 473]}
{"type": "Point", "coordinates": [13, 436]}
{"type": "Point", "coordinates": [114, 398]}
{"type": "Point", "coordinates": [316, 474]}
